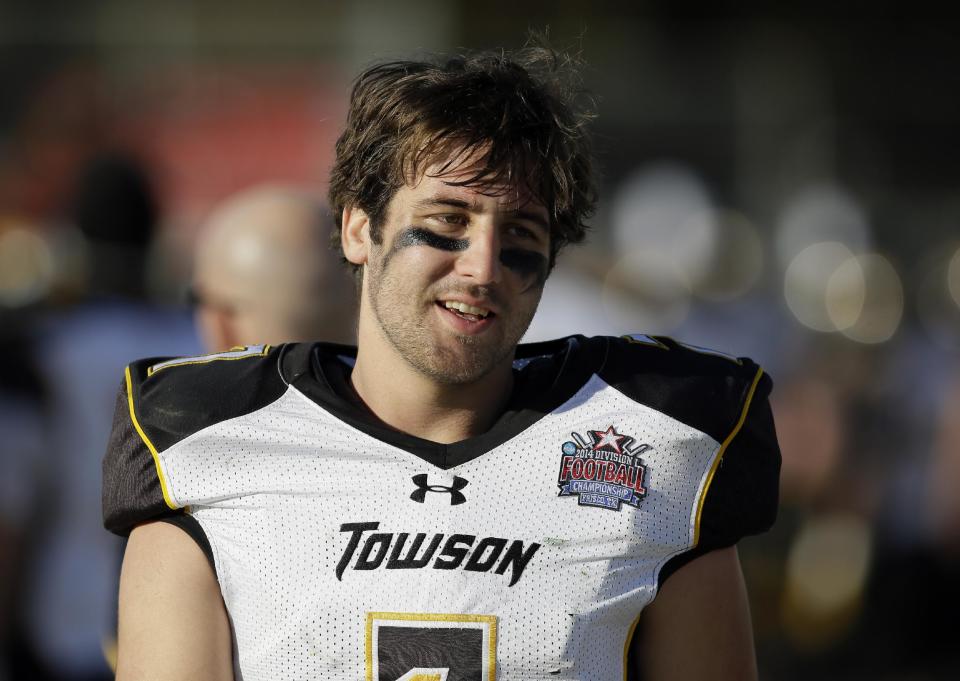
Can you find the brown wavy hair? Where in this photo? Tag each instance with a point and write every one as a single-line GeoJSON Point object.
{"type": "Point", "coordinates": [522, 114]}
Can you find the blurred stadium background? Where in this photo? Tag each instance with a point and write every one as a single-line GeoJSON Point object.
{"type": "Point", "coordinates": [777, 182]}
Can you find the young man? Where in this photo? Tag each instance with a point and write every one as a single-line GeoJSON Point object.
{"type": "Point", "coordinates": [439, 503]}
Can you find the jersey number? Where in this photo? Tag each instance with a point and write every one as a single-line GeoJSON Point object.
{"type": "Point", "coordinates": [405, 646]}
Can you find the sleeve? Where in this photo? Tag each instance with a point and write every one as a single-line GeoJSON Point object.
{"type": "Point", "coordinates": [742, 496]}
{"type": "Point", "coordinates": [133, 488]}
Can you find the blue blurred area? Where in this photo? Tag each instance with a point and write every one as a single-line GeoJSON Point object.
{"type": "Point", "coordinates": [60, 593]}
{"type": "Point", "coordinates": [776, 182]}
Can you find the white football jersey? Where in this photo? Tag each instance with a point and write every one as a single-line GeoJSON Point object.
{"type": "Point", "coordinates": [348, 551]}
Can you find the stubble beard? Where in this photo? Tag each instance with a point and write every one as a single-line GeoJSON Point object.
{"type": "Point", "coordinates": [474, 356]}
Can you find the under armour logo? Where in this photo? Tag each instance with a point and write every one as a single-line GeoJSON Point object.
{"type": "Point", "coordinates": [420, 495]}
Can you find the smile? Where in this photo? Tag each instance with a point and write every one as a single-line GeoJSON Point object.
{"type": "Point", "coordinates": [468, 312]}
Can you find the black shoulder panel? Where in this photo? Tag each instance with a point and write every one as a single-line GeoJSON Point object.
{"type": "Point", "coordinates": [163, 401]}
{"type": "Point", "coordinates": [744, 494]}
{"type": "Point", "coordinates": [132, 492]}
{"type": "Point", "coordinates": [176, 398]}
{"type": "Point", "coordinates": [725, 397]}
{"type": "Point", "coordinates": [701, 388]}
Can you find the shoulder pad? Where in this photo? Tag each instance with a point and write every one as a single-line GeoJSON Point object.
{"type": "Point", "coordinates": [704, 388]}
{"type": "Point", "coordinates": [174, 398]}
{"type": "Point", "coordinates": [725, 397]}
{"type": "Point", "coordinates": [164, 400]}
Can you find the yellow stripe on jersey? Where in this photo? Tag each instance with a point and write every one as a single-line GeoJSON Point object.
{"type": "Point", "coordinates": [146, 441]}
{"type": "Point", "coordinates": [238, 352]}
{"type": "Point", "coordinates": [723, 448]}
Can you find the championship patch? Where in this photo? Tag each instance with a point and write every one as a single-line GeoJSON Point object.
{"type": "Point", "coordinates": [603, 470]}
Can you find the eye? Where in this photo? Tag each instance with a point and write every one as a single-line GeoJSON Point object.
{"type": "Point", "coordinates": [522, 232]}
{"type": "Point", "coordinates": [451, 218]}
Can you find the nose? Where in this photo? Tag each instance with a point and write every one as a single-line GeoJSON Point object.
{"type": "Point", "coordinates": [480, 261]}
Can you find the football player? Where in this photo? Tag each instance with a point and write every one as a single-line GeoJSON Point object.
{"type": "Point", "coordinates": [438, 502]}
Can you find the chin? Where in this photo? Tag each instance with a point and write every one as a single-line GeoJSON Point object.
{"type": "Point", "coordinates": [466, 365]}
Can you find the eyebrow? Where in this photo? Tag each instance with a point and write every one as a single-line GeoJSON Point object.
{"type": "Point", "coordinates": [436, 201]}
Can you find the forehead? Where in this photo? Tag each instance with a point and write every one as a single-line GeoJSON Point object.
{"type": "Point", "coordinates": [463, 178]}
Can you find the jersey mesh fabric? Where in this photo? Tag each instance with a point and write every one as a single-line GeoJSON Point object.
{"type": "Point", "coordinates": [347, 550]}
{"type": "Point", "coordinates": [272, 489]}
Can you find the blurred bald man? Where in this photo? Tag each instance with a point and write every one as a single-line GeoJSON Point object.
{"type": "Point", "coordinates": [265, 272]}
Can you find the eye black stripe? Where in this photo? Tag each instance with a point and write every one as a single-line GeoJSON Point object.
{"type": "Point", "coordinates": [521, 261]}
{"type": "Point", "coordinates": [416, 236]}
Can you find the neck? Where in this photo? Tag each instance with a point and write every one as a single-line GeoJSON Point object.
{"type": "Point", "coordinates": [410, 401]}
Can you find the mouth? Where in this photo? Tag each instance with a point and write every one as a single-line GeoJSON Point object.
{"type": "Point", "coordinates": [470, 313]}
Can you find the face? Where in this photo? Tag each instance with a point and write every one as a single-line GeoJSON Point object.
{"type": "Point", "coordinates": [457, 276]}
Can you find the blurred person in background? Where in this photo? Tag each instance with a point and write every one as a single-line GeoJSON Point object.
{"type": "Point", "coordinates": [264, 272]}
{"type": "Point", "coordinates": [73, 571]}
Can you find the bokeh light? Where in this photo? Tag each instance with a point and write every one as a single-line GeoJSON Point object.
{"type": "Point", "coordinates": [651, 282]}
{"type": "Point", "coordinates": [936, 297]}
{"type": "Point", "coordinates": [666, 208]}
{"type": "Point", "coordinates": [822, 213]}
{"type": "Point", "coordinates": [26, 267]}
{"type": "Point", "coordinates": [953, 277]}
{"type": "Point", "coordinates": [826, 574]}
{"type": "Point", "coordinates": [806, 280]}
{"type": "Point", "coordinates": [865, 298]}
{"type": "Point", "coordinates": [737, 260]}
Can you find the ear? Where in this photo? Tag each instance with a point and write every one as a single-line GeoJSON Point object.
{"type": "Point", "coordinates": [355, 235]}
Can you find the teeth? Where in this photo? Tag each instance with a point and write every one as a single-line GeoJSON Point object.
{"type": "Point", "coordinates": [466, 309]}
